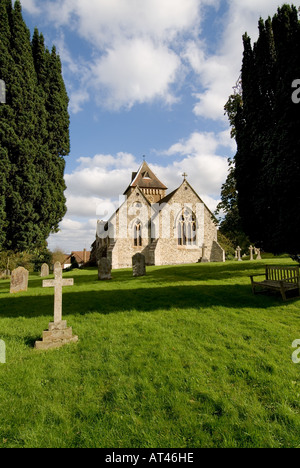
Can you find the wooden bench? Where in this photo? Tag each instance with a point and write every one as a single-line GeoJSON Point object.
{"type": "Point", "coordinates": [279, 278]}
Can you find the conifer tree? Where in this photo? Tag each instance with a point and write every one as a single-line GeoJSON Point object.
{"type": "Point", "coordinates": [267, 133]}
{"type": "Point", "coordinates": [7, 134]}
{"type": "Point", "coordinates": [34, 135]}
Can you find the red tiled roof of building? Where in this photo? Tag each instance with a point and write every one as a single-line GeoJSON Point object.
{"type": "Point", "coordinates": [80, 257]}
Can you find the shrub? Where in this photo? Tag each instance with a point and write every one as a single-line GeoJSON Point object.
{"type": "Point", "coordinates": [10, 260]}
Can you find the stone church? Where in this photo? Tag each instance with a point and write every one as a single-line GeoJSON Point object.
{"type": "Point", "coordinates": [177, 228]}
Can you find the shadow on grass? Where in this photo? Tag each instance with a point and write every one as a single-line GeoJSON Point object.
{"type": "Point", "coordinates": [161, 275]}
{"type": "Point", "coordinates": [142, 300]}
{"type": "Point", "coordinates": [163, 288]}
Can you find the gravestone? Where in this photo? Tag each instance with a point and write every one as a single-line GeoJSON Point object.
{"type": "Point", "coordinates": [58, 333]}
{"type": "Point", "coordinates": [19, 280]}
{"type": "Point", "coordinates": [104, 269]}
{"type": "Point", "coordinates": [139, 265]}
{"type": "Point", "coordinates": [44, 270]}
{"type": "Point", "coordinates": [239, 254]}
{"type": "Point", "coordinates": [204, 259]}
{"type": "Point", "coordinates": [251, 252]}
{"type": "Point", "coordinates": [258, 254]}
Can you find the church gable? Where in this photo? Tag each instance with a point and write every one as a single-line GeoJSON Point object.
{"type": "Point", "coordinates": [136, 211]}
{"type": "Point", "coordinates": [184, 194]}
{"type": "Point", "coordinates": [182, 209]}
{"type": "Point", "coordinates": [153, 189]}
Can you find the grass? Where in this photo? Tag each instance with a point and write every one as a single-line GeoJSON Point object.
{"type": "Point", "coordinates": [185, 357]}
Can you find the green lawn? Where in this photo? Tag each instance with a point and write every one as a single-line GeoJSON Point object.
{"type": "Point", "coordinates": [185, 357]}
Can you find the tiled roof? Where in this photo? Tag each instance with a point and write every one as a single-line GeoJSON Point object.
{"type": "Point", "coordinates": [79, 257]}
{"type": "Point", "coordinates": [145, 178]}
{"type": "Point", "coordinates": [82, 257]}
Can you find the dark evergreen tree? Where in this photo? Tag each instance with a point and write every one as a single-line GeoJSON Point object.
{"type": "Point", "coordinates": [23, 226]}
{"type": "Point", "coordinates": [7, 134]}
{"type": "Point", "coordinates": [231, 224]}
{"type": "Point", "coordinates": [34, 135]}
{"type": "Point", "coordinates": [267, 132]}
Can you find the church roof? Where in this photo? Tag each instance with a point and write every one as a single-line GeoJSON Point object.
{"type": "Point", "coordinates": [168, 197]}
{"type": "Point", "coordinates": [145, 178]}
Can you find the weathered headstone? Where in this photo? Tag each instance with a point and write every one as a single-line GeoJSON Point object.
{"type": "Point", "coordinates": [58, 333]}
{"type": "Point", "coordinates": [139, 265]}
{"type": "Point", "coordinates": [104, 269]}
{"type": "Point", "coordinates": [251, 252]}
{"type": "Point", "coordinates": [44, 270]}
{"type": "Point", "coordinates": [19, 280]}
{"type": "Point", "coordinates": [239, 254]}
{"type": "Point", "coordinates": [258, 254]}
{"type": "Point", "coordinates": [204, 259]}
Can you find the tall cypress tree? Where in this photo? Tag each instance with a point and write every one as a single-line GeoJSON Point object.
{"type": "Point", "coordinates": [267, 161]}
{"type": "Point", "coordinates": [34, 135]}
{"type": "Point", "coordinates": [23, 222]}
{"type": "Point", "coordinates": [7, 135]}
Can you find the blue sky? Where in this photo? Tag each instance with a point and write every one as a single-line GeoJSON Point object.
{"type": "Point", "coordinates": [144, 77]}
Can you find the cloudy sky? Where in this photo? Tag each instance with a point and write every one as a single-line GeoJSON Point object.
{"type": "Point", "coordinates": [144, 77]}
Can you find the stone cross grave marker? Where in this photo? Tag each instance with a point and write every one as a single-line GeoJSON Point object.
{"type": "Point", "coordinates": [19, 280]}
{"type": "Point", "coordinates": [239, 254]}
{"type": "Point", "coordinates": [58, 333]}
{"type": "Point", "coordinates": [58, 283]}
{"type": "Point", "coordinates": [44, 270]}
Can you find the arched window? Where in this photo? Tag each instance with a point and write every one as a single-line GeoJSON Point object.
{"type": "Point", "coordinates": [137, 234]}
{"type": "Point", "coordinates": [187, 228]}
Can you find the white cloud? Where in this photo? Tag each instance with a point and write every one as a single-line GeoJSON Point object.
{"type": "Point", "coordinates": [135, 47]}
{"type": "Point", "coordinates": [86, 207]}
{"type": "Point", "coordinates": [198, 143]}
{"type": "Point", "coordinates": [70, 224]}
{"type": "Point", "coordinates": [106, 21]}
{"type": "Point", "coordinates": [102, 176]}
{"type": "Point", "coordinates": [206, 169]}
{"type": "Point", "coordinates": [77, 99]}
{"type": "Point", "coordinates": [218, 73]}
{"type": "Point", "coordinates": [121, 160]}
{"type": "Point", "coordinates": [73, 235]}
{"type": "Point", "coordinates": [31, 7]}
{"type": "Point", "coordinates": [139, 49]}
{"type": "Point", "coordinates": [136, 71]}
